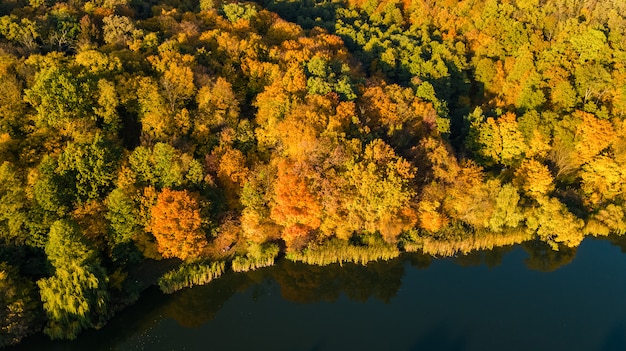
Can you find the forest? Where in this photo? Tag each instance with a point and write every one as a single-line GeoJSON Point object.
{"type": "Point", "coordinates": [166, 142]}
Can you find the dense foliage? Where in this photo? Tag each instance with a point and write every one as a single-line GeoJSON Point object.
{"type": "Point", "coordinates": [334, 131]}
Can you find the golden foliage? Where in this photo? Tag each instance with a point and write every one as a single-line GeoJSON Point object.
{"type": "Point", "coordinates": [534, 178]}
{"type": "Point", "coordinates": [592, 136]}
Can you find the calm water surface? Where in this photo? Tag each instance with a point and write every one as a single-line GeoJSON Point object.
{"type": "Point", "coordinates": [520, 298]}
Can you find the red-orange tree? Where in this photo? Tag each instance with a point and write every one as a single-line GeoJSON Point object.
{"type": "Point", "coordinates": [176, 224]}
{"type": "Point", "coordinates": [294, 207]}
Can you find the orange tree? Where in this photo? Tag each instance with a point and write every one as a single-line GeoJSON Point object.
{"type": "Point", "coordinates": [176, 224]}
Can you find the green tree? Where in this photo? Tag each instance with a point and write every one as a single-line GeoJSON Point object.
{"type": "Point", "coordinates": [507, 212]}
{"type": "Point", "coordinates": [75, 297]}
{"type": "Point", "coordinates": [13, 205]}
{"type": "Point", "coordinates": [236, 11]}
{"type": "Point", "coordinates": [24, 32]}
{"type": "Point", "coordinates": [89, 168]}
{"type": "Point", "coordinates": [124, 224]}
{"type": "Point", "coordinates": [50, 191]}
{"type": "Point", "coordinates": [108, 103]}
{"type": "Point", "coordinates": [61, 98]}
{"type": "Point", "coordinates": [165, 166]}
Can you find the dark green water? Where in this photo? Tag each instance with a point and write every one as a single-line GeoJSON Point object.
{"type": "Point", "coordinates": [521, 298]}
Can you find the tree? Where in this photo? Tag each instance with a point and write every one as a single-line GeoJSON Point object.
{"type": "Point", "coordinates": [499, 140]}
{"type": "Point", "coordinates": [592, 136]}
{"type": "Point", "coordinates": [165, 166]}
{"type": "Point", "coordinates": [60, 97]}
{"type": "Point", "coordinates": [118, 30]}
{"type": "Point", "coordinates": [124, 223]}
{"type": "Point", "coordinates": [13, 205]}
{"type": "Point", "coordinates": [12, 105]}
{"type": "Point", "coordinates": [90, 168]}
{"type": "Point", "coordinates": [326, 76]}
{"type": "Point", "coordinates": [534, 178]}
{"type": "Point", "coordinates": [177, 225]}
{"type": "Point", "coordinates": [235, 11]}
{"type": "Point", "coordinates": [18, 306]}
{"type": "Point", "coordinates": [50, 191]}
{"type": "Point", "coordinates": [97, 62]}
{"type": "Point", "coordinates": [507, 212]}
{"type": "Point", "coordinates": [272, 104]}
{"type": "Point", "coordinates": [24, 32]}
{"type": "Point", "coordinates": [295, 207]}
{"type": "Point", "coordinates": [157, 120]}
{"type": "Point", "coordinates": [403, 116]}
{"type": "Point", "coordinates": [232, 173]}
{"type": "Point", "coordinates": [75, 297]}
{"type": "Point", "coordinates": [554, 224]}
{"type": "Point", "coordinates": [217, 108]}
{"type": "Point", "coordinates": [108, 102]}
{"type": "Point", "coordinates": [176, 77]}
{"type": "Point", "coordinates": [603, 179]}
{"type": "Point", "coordinates": [381, 191]}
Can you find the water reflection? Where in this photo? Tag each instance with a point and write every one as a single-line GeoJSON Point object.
{"type": "Point", "coordinates": [307, 284]}
{"type": "Point", "coordinates": [431, 296]}
{"type": "Point", "coordinates": [619, 241]}
{"type": "Point", "coordinates": [542, 258]}
{"type": "Point", "coordinates": [491, 258]}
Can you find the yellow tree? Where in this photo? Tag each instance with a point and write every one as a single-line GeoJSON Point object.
{"type": "Point", "coordinates": [534, 178]}
{"type": "Point", "coordinates": [272, 104]}
{"type": "Point", "coordinates": [554, 224]}
{"type": "Point", "coordinates": [217, 108]}
{"type": "Point", "coordinates": [603, 179]}
{"type": "Point", "coordinates": [156, 120]}
{"type": "Point", "coordinates": [500, 140]}
{"type": "Point", "coordinates": [232, 173]}
{"type": "Point", "coordinates": [176, 76]}
{"type": "Point", "coordinates": [592, 136]}
{"type": "Point", "coordinates": [381, 191]}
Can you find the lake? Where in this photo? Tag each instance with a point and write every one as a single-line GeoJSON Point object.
{"type": "Point", "coordinates": [525, 297]}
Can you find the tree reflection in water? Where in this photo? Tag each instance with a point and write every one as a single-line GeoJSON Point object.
{"type": "Point", "coordinates": [299, 283]}
{"type": "Point", "coordinates": [542, 258]}
{"type": "Point", "coordinates": [303, 283]}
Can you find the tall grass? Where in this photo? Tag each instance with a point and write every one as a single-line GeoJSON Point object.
{"type": "Point", "coordinates": [340, 251]}
{"type": "Point", "coordinates": [190, 274]}
{"type": "Point", "coordinates": [264, 256]}
{"type": "Point", "coordinates": [475, 241]}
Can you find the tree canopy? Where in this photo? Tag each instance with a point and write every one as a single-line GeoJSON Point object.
{"type": "Point", "coordinates": [216, 135]}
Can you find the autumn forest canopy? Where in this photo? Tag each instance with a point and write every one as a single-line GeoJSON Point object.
{"type": "Point", "coordinates": [214, 135]}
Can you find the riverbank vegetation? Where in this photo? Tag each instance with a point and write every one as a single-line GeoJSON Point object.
{"type": "Point", "coordinates": [221, 134]}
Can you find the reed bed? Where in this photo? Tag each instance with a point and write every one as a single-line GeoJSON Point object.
{"type": "Point", "coordinates": [341, 251]}
{"type": "Point", "coordinates": [188, 275]}
{"type": "Point", "coordinates": [264, 258]}
{"type": "Point", "coordinates": [476, 241]}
